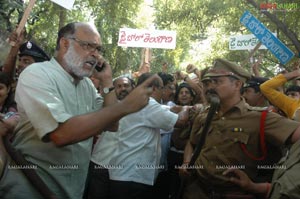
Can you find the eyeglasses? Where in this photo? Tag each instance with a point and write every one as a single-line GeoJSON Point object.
{"type": "Point", "coordinates": [88, 46]}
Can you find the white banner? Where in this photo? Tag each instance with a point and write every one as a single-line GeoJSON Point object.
{"type": "Point", "coordinates": [244, 42]}
{"type": "Point", "coordinates": [147, 38]}
{"type": "Point", "coordinates": [68, 4]}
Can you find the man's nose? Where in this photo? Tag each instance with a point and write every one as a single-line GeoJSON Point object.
{"type": "Point", "coordinates": [210, 86]}
{"type": "Point", "coordinates": [123, 88]}
{"type": "Point", "coordinates": [94, 53]}
{"type": "Point", "coordinates": [21, 65]}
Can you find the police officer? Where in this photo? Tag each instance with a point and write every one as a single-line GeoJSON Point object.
{"type": "Point", "coordinates": [233, 139]}
{"type": "Point", "coordinates": [27, 52]}
{"type": "Point", "coordinates": [30, 53]}
{"type": "Point", "coordinates": [251, 92]}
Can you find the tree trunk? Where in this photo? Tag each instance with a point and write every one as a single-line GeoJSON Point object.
{"type": "Point", "coordinates": [62, 17]}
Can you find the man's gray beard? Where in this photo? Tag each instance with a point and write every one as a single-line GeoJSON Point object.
{"type": "Point", "coordinates": [75, 63]}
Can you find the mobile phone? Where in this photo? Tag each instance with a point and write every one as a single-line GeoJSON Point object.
{"type": "Point", "coordinates": [98, 67]}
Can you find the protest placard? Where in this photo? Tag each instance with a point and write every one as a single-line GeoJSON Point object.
{"type": "Point", "coordinates": [279, 50]}
{"type": "Point", "coordinates": [68, 4]}
{"type": "Point", "coordinates": [147, 38]}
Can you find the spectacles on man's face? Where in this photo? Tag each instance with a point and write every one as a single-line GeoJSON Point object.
{"type": "Point", "coordinates": [88, 46]}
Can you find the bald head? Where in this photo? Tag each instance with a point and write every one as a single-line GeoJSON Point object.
{"type": "Point", "coordinates": [78, 48]}
{"type": "Point", "coordinates": [71, 29]}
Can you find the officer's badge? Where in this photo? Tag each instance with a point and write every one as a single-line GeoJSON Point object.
{"type": "Point", "coordinates": [29, 45]}
{"type": "Point", "coordinates": [236, 129]}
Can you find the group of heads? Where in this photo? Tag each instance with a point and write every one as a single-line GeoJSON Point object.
{"type": "Point", "coordinates": [227, 79]}
{"type": "Point", "coordinates": [79, 45]}
{"type": "Point", "coordinates": [253, 96]}
{"type": "Point", "coordinates": [181, 94]}
{"type": "Point", "coordinates": [166, 89]}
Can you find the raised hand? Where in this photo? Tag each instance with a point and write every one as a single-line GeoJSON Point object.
{"type": "Point", "coordinates": [103, 72]}
{"type": "Point", "coordinates": [139, 97]}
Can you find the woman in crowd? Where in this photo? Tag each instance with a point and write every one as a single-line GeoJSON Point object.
{"type": "Point", "coordinates": [184, 96]}
{"type": "Point", "coordinates": [8, 114]}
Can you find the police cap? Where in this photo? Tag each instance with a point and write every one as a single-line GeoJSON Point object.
{"type": "Point", "coordinates": [255, 82]}
{"type": "Point", "coordinates": [223, 67]}
{"type": "Point", "coordinates": [31, 49]}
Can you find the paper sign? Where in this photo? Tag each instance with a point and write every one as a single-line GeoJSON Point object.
{"type": "Point", "coordinates": [68, 4]}
{"type": "Point", "coordinates": [281, 52]}
{"type": "Point", "coordinates": [147, 38]}
{"type": "Point", "coordinates": [244, 42]}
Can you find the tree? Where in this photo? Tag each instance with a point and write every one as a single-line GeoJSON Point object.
{"type": "Point", "coordinates": [10, 13]}
{"type": "Point", "coordinates": [198, 17]}
{"type": "Point", "coordinates": [194, 22]}
{"type": "Point", "coordinates": [46, 19]}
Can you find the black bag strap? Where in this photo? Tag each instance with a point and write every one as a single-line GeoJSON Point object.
{"type": "Point", "coordinates": [30, 174]}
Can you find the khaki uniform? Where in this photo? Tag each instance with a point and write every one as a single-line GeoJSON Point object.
{"type": "Point", "coordinates": [286, 178]}
{"type": "Point", "coordinates": [222, 147]}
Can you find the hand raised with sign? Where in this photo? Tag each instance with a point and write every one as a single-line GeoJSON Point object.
{"type": "Point", "coordinates": [256, 66]}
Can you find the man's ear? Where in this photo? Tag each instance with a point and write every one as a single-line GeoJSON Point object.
{"type": "Point", "coordinates": [64, 43]}
{"type": "Point", "coordinates": [239, 84]}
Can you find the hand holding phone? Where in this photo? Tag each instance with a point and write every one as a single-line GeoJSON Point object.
{"type": "Point", "coordinates": [102, 72]}
{"type": "Point", "coordinates": [99, 67]}
{"type": "Point", "coordinates": [100, 64]}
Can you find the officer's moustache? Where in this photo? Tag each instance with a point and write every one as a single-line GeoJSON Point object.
{"type": "Point", "coordinates": [213, 99]}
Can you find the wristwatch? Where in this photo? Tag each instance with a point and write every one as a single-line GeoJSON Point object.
{"type": "Point", "coordinates": [107, 90]}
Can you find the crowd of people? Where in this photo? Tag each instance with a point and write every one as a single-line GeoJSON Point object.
{"type": "Point", "coordinates": [68, 129]}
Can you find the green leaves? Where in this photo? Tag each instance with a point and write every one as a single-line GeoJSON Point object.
{"type": "Point", "coordinates": [196, 23]}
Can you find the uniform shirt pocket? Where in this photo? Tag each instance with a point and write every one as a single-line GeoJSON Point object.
{"type": "Point", "coordinates": [238, 137]}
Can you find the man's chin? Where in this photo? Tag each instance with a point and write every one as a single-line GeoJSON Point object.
{"type": "Point", "coordinates": [82, 74]}
{"type": "Point", "coordinates": [120, 97]}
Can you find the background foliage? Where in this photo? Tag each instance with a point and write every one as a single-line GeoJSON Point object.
{"type": "Point", "coordinates": [198, 23]}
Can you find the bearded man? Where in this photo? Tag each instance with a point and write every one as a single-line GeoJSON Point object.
{"type": "Point", "coordinates": [60, 111]}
